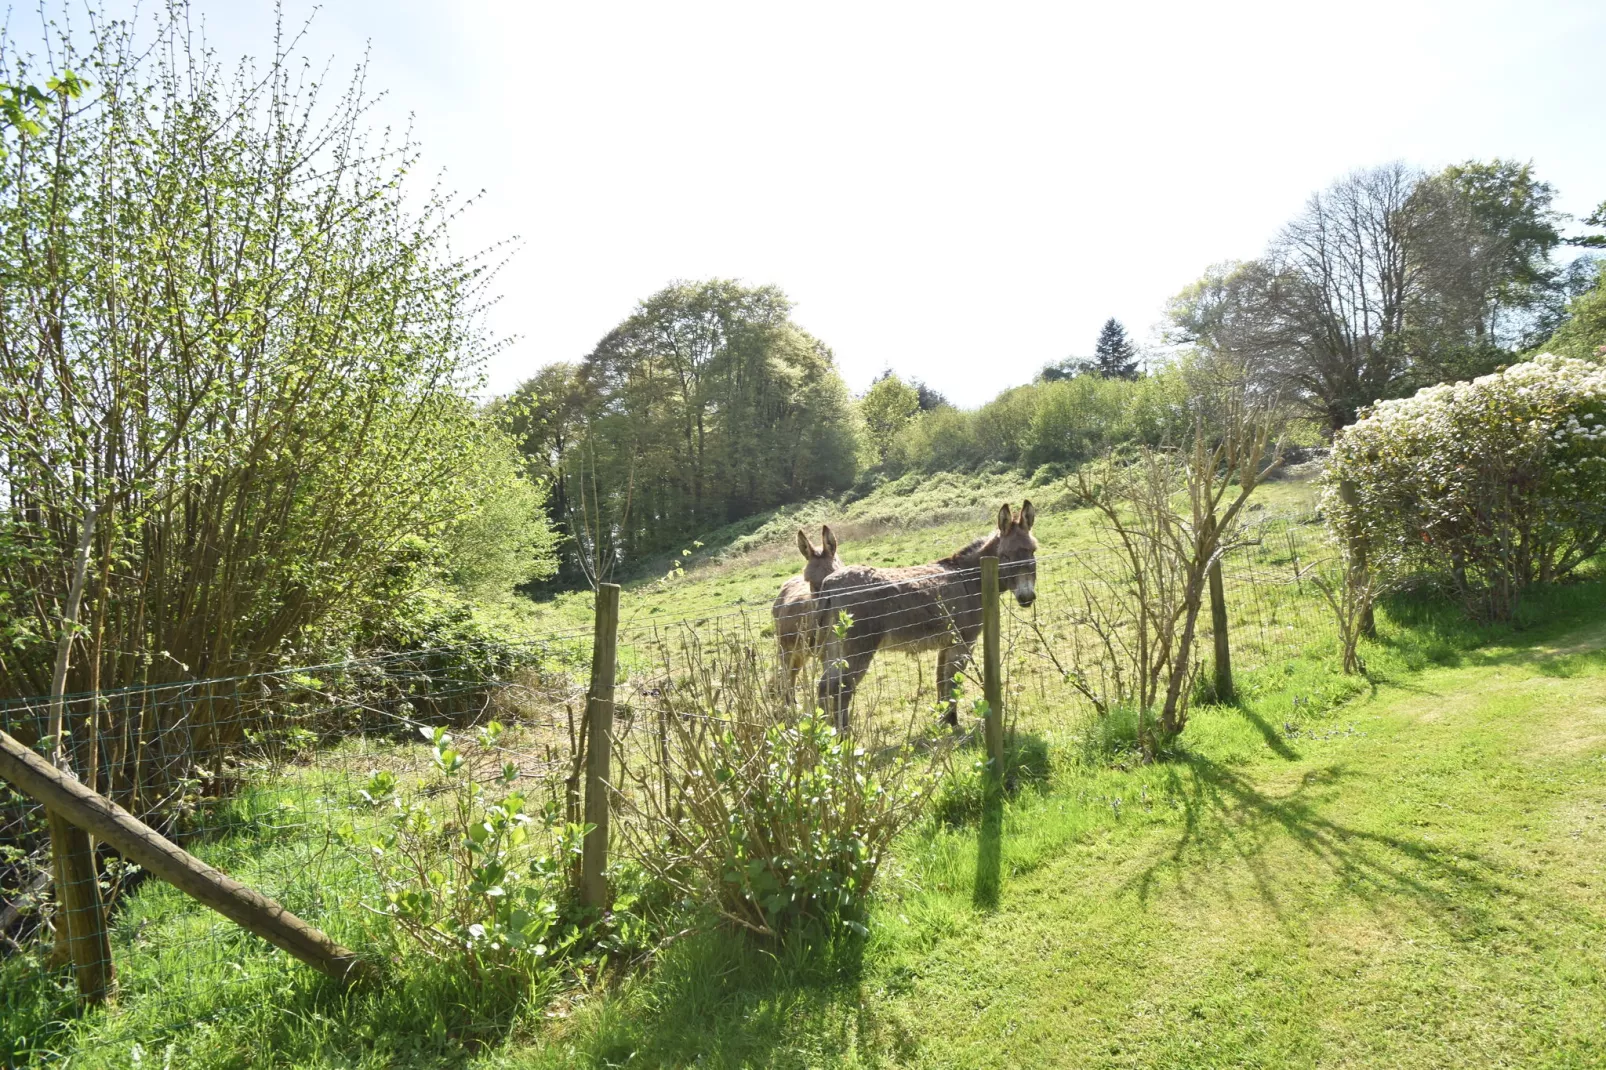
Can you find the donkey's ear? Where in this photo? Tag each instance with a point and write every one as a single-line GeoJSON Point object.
{"type": "Point", "coordinates": [803, 544]}
{"type": "Point", "coordinates": [1004, 517]}
{"type": "Point", "coordinates": [1027, 514]}
{"type": "Point", "coordinates": [827, 541]}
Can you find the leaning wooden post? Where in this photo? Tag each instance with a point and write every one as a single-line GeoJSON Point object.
{"type": "Point", "coordinates": [599, 749]}
{"type": "Point", "coordinates": [105, 820]}
{"type": "Point", "coordinates": [1218, 628]}
{"type": "Point", "coordinates": [992, 667]}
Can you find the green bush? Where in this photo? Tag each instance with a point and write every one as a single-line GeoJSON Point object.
{"type": "Point", "coordinates": [503, 540]}
{"type": "Point", "coordinates": [1584, 331]}
{"type": "Point", "coordinates": [784, 825]}
{"type": "Point", "coordinates": [1495, 484]}
{"type": "Point", "coordinates": [472, 882]}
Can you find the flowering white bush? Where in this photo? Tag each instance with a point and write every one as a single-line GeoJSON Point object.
{"type": "Point", "coordinates": [1498, 483]}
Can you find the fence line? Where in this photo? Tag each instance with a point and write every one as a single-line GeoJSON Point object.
{"type": "Point", "coordinates": [266, 775]}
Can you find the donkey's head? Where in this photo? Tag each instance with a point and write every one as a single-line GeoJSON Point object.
{"type": "Point", "coordinates": [821, 562]}
{"type": "Point", "coordinates": [1017, 552]}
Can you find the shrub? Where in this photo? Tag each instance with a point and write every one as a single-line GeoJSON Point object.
{"type": "Point", "coordinates": [465, 882]}
{"type": "Point", "coordinates": [777, 821]}
{"type": "Point", "coordinates": [787, 824]}
{"type": "Point", "coordinates": [1495, 484]}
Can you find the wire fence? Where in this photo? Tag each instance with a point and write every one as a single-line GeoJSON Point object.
{"type": "Point", "coordinates": [273, 777]}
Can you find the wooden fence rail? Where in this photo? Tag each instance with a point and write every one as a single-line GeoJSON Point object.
{"type": "Point", "coordinates": [100, 817]}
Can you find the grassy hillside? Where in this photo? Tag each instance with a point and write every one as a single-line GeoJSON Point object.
{"type": "Point", "coordinates": [909, 521]}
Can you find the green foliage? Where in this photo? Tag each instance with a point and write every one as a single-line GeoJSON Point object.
{"type": "Point", "coordinates": [1583, 333]}
{"type": "Point", "coordinates": [466, 882]}
{"type": "Point", "coordinates": [1055, 421]}
{"type": "Point", "coordinates": [1496, 484]}
{"type": "Point", "coordinates": [1597, 218]}
{"type": "Point", "coordinates": [886, 409]}
{"type": "Point", "coordinates": [506, 539]}
{"type": "Point", "coordinates": [705, 405]}
{"type": "Point", "coordinates": [791, 822]}
{"type": "Point", "coordinates": [257, 377]}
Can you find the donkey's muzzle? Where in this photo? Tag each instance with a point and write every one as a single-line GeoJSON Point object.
{"type": "Point", "coordinates": [1025, 594]}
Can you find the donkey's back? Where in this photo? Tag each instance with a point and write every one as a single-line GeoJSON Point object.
{"type": "Point", "coordinates": [921, 607]}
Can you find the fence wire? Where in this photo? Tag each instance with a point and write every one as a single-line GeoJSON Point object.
{"type": "Point", "coordinates": [267, 776]}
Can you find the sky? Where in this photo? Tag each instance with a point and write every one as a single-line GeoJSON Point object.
{"type": "Point", "coordinates": [962, 193]}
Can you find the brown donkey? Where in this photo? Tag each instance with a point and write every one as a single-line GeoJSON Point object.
{"type": "Point", "coordinates": [922, 607]}
{"type": "Point", "coordinates": [793, 608]}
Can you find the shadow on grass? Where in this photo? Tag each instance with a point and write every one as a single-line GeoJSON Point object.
{"type": "Point", "coordinates": [1226, 814]}
{"type": "Point", "coordinates": [1268, 732]}
{"type": "Point", "coordinates": [989, 850]}
{"type": "Point", "coordinates": [724, 999]}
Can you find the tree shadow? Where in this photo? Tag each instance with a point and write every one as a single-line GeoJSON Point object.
{"type": "Point", "coordinates": [1224, 813]}
{"type": "Point", "coordinates": [727, 999]}
{"type": "Point", "coordinates": [1268, 732]}
{"type": "Point", "coordinates": [989, 849]}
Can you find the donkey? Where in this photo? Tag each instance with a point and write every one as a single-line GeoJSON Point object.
{"type": "Point", "coordinates": [922, 607]}
{"type": "Point", "coordinates": [793, 608]}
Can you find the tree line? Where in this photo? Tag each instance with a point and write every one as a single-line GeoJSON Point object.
{"type": "Point", "coordinates": [707, 404]}
{"type": "Point", "coordinates": [1393, 279]}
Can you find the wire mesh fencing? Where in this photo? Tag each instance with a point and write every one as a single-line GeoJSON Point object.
{"type": "Point", "coordinates": [287, 779]}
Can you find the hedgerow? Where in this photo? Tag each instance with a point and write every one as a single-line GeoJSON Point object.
{"type": "Point", "coordinates": [1495, 484]}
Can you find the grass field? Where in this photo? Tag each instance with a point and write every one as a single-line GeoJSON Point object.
{"type": "Point", "coordinates": [1402, 872]}
{"type": "Point", "coordinates": [1412, 878]}
{"type": "Point", "coordinates": [907, 522]}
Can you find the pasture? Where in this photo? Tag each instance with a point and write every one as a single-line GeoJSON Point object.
{"type": "Point", "coordinates": [1399, 869]}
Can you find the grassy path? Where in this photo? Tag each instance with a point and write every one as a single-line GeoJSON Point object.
{"type": "Point", "coordinates": [1418, 881]}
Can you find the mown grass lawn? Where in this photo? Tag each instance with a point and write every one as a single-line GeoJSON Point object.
{"type": "Point", "coordinates": [1416, 879]}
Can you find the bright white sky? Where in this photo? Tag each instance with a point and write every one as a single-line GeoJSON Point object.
{"type": "Point", "coordinates": [960, 192]}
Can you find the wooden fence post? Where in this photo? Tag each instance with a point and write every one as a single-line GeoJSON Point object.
{"type": "Point", "coordinates": [81, 913]}
{"type": "Point", "coordinates": [98, 816]}
{"type": "Point", "coordinates": [1222, 681]}
{"type": "Point", "coordinates": [992, 667]}
{"type": "Point", "coordinates": [599, 749]}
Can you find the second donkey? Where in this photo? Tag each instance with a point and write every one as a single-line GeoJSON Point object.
{"type": "Point", "coordinates": [793, 610]}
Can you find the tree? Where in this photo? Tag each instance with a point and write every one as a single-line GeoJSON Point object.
{"type": "Point", "coordinates": [237, 360]}
{"type": "Point", "coordinates": [1582, 333]}
{"type": "Point", "coordinates": [886, 408]}
{"type": "Point", "coordinates": [1388, 279]}
{"type": "Point", "coordinates": [931, 399]}
{"type": "Point", "coordinates": [1114, 356]}
{"type": "Point", "coordinates": [705, 405]}
{"type": "Point", "coordinates": [546, 417]}
{"type": "Point", "coordinates": [1166, 552]}
{"type": "Point", "coordinates": [1064, 369]}
{"type": "Point", "coordinates": [1597, 218]}
{"type": "Point", "coordinates": [1484, 235]}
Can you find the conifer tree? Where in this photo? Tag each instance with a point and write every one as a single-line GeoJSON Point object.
{"type": "Point", "coordinates": [1114, 356]}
